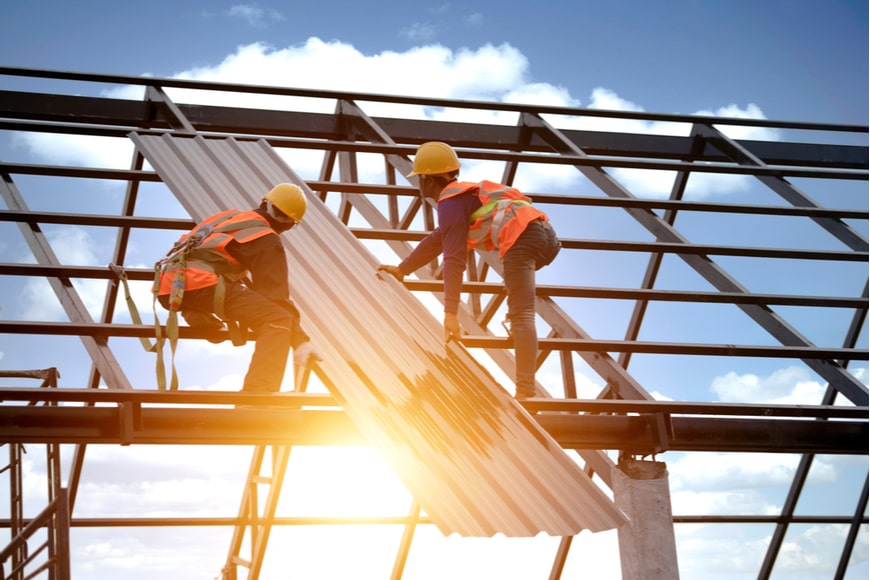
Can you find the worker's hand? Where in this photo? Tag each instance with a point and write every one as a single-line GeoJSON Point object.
{"type": "Point", "coordinates": [393, 270]}
{"type": "Point", "coordinates": [304, 353]}
{"type": "Point", "coordinates": [451, 326]}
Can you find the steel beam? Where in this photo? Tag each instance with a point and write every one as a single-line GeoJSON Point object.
{"type": "Point", "coordinates": [635, 434]}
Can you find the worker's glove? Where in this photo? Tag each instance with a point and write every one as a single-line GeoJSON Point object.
{"type": "Point", "coordinates": [393, 270]}
{"type": "Point", "coordinates": [304, 353]}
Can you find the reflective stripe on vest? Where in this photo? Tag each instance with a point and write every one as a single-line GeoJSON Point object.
{"type": "Point", "coordinates": [501, 218]}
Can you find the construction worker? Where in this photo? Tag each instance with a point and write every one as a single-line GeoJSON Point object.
{"type": "Point", "coordinates": [231, 268]}
{"type": "Point", "coordinates": [485, 216]}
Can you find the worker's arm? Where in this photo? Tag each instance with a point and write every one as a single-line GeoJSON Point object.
{"type": "Point", "coordinates": [450, 239]}
{"type": "Point", "coordinates": [266, 262]}
{"type": "Point", "coordinates": [427, 250]}
{"type": "Point", "coordinates": [454, 217]}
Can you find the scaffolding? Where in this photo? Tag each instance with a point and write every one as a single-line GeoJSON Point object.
{"type": "Point", "coordinates": [386, 215]}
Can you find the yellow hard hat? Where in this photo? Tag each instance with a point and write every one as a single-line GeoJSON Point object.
{"type": "Point", "coordinates": [289, 200]}
{"type": "Point", "coordinates": [433, 158]}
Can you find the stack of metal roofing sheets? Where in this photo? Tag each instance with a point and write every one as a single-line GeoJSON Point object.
{"type": "Point", "coordinates": [473, 458]}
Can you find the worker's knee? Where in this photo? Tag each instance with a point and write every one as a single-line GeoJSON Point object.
{"type": "Point", "coordinates": [280, 328]}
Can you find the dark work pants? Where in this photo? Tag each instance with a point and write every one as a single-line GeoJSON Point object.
{"type": "Point", "coordinates": [536, 247]}
{"type": "Point", "coordinates": [273, 325]}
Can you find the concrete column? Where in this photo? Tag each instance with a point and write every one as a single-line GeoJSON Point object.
{"type": "Point", "coordinates": [647, 549]}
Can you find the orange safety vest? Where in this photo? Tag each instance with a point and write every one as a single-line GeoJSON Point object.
{"type": "Point", "coordinates": [502, 217]}
{"type": "Point", "coordinates": [204, 249]}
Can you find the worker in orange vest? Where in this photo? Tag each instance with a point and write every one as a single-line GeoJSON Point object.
{"type": "Point", "coordinates": [231, 269]}
{"type": "Point", "coordinates": [486, 216]}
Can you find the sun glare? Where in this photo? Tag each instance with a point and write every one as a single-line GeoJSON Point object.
{"type": "Point", "coordinates": [341, 482]}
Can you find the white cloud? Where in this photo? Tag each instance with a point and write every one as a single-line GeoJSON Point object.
{"type": "Point", "coordinates": [715, 483]}
{"type": "Point", "coordinates": [255, 16]}
{"type": "Point", "coordinates": [791, 385]}
{"type": "Point", "coordinates": [419, 31]}
{"type": "Point", "coordinates": [139, 554]}
{"type": "Point", "coordinates": [162, 480]}
{"type": "Point", "coordinates": [603, 98]}
{"type": "Point", "coordinates": [488, 73]}
{"type": "Point", "coordinates": [810, 552]}
{"type": "Point", "coordinates": [474, 19]}
{"type": "Point", "coordinates": [83, 150]}
{"type": "Point", "coordinates": [658, 183]}
{"type": "Point", "coordinates": [787, 386]}
{"type": "Point", "coordinates": [860, 373]}
{"type": "Point", "coordinates": [73, 246]}
{"type": "Point", "coordinates": [816, 549]}
{"type": "Point", "coordinates": [143, 299]}
{"type": "Point", "coordinates": [541, 94]}
{"type": "Point", "coordinates": [606, 99]}
{"type": "Point", "coordinates": [752, 111]}
{"type": "Point", "coordinates": [735, 471]}
{"type": "Point", "coordinates": [742, 484]}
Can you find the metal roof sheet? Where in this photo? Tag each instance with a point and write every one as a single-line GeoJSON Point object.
{"type": "Point", "coordinates": [473, 458]}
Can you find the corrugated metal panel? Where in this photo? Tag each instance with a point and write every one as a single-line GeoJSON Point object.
{"type": "Point", "coordinates": [474, 459]}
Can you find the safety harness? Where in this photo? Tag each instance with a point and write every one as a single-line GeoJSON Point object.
{"type": "Point", "coordinates": [202, 249]}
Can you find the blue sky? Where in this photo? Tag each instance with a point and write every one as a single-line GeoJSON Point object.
{"type": "Point", "coordinates": [798, 60]}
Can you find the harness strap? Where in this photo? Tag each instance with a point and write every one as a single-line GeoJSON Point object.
{"type": "Point", "coordinates": [131, 305]}
{"type": "Point", "coordinates": [176, 296]}
{"type": "Point", "coordinates": [172, 335]}
{"type": "Point", "coordinates": [171, 328]}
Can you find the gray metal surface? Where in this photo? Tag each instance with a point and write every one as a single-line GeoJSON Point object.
{"type": "Point", "coordinates": [472, 457]}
